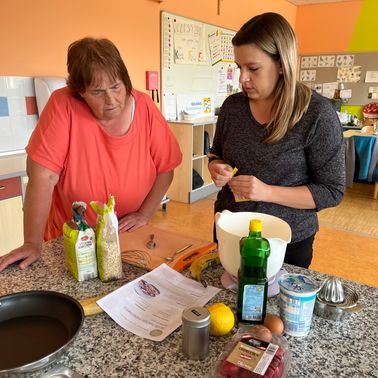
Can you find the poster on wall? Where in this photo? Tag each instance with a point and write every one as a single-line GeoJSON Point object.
{"type": "Point", "coordinates": [345, 93]}
{"type": "Point", "coordinates": [326, 61]}
{"type": "Point", "coordinates": [227, 47]}
{"type": "Point", "coordinates": [371, 77]}
{"type": "Point", "coordinates": [373, 93]}
{"type": "Point", "coordinates": [309, 61]}
{"type": "Point", "coordinates": [227, 81]}
{"type": "Point", "coordinates": [220, 46]}
{"type": "Point", "coordinates": [215, 48]}
{"type": "Point", "coordinates": [349, 74]}
{"type": "Point", "coordinates": [308, 75]}
{"type": "Point", "coordinates": [346, 60]}
{"type": "Point", "coordinates": [189, 43]}
{"type": "Point", "coordinates": [329, 89]}
{"type": "Point", "coordinates": [222, 82]}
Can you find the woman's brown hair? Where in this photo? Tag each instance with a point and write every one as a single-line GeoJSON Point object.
{"type": "Point", "coordinates": [274, 35]}
{"type": "Point", "coordinates": [89, 56]}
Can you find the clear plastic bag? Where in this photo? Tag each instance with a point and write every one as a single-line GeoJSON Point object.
{"type": "Point", "coordinates": [108, 249]}
{"type": "Point", "coordinates": [253, 353]}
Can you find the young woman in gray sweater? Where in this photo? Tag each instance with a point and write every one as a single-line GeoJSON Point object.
{"type": "Point", "coordinates": [285, 140]}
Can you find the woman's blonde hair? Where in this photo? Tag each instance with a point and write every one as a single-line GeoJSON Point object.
{"type": "Point", "coordinates": [274, 35]}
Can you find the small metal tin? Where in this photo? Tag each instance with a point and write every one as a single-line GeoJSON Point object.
{"type": "Point", "coordinates": [195, 332]}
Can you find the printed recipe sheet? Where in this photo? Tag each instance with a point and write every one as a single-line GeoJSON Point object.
{"type": "Point", "coordinates": [151, 306]}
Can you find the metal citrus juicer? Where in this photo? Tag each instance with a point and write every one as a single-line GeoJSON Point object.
{"type": "Point", "coordinates": [336, 301]}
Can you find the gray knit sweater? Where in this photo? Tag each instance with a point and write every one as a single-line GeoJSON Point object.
{"type": "Point", "coordinates": [312, 154]}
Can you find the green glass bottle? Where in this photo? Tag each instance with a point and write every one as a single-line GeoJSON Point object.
{"type": "Point", "coordinates": [253, 282]}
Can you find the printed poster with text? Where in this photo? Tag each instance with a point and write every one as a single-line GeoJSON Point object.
{"type": "Point", "coordinates": [189, 43]}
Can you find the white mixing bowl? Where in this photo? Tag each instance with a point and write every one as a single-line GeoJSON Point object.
{"type": "Point", "coordinates": [231, 227]}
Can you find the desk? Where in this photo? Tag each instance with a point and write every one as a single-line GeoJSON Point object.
{"type": "Point", "coordinates": [349, 133]}
{"type": "Point", "coordinates": [104, 349]}
{"type": "Point", "coordinates": [350, 156]}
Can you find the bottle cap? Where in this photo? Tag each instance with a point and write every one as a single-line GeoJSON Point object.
{"type": "Point", "coordinates": [196, 317]}
{"type": "Point", "coordinates": [255, 225]}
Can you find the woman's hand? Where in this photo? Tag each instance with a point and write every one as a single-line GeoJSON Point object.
{"type": "Point", "coordinates": [221, 173]}
{"type": "Point", "coordinates": [27, 254]}
{"type": "Point", "coordinates": [132, 222]}
{"type": "Point", "coordinates": [250, 187]}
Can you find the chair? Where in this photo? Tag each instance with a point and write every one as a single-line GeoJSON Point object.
{"type": "Point", "coordinates": [366, 149]}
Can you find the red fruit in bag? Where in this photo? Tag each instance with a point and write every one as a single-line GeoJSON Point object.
{"type": "Point", "coordinates": [229, 369]}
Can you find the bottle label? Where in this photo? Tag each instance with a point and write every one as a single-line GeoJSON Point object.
{"type": "Point", "coordinates": [253, 302]}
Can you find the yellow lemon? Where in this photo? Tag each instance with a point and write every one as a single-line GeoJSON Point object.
{"type": "Point", "coordinates": [222, 319]}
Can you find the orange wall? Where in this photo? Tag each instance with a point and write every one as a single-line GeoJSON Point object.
{"type": "Point", "coordinates": [35, 34]}
{"type": "Point", "coordinates": [323, 28]}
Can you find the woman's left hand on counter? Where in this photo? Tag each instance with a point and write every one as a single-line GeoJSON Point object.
{"type": "Point", "coordinates": [132, 222]}
{"type": "Point", "coordinates": [249, 187]}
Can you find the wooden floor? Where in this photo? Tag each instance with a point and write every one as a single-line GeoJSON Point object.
{"type": "Point", "coordinates": [346, 245]}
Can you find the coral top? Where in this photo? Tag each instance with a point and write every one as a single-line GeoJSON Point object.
{"type": "Point", "coordinates": [92, 164]}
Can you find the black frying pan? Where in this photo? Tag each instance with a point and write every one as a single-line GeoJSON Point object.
{"type": "Point", "coordinates": [36, 328]}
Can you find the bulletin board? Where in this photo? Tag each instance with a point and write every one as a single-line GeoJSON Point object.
{"type": "Point", "coordinates": [197, 64]}
{"type": "Point", "coordinates": [357, 72]}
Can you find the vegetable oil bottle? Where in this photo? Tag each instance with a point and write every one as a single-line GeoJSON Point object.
{"type": "Point", "coordinates": [253, 282]}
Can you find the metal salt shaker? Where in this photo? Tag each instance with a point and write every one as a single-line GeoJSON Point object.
{"type": "Point", "coordinates": [195, 332]}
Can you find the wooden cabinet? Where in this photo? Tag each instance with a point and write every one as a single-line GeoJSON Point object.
{"type": "Point", "coordinates": [190, 136]}
{"type": "Point", "coordinates": [11, 218]}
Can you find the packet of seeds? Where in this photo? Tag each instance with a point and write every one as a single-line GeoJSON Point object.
{"type": "Point", "coordinates": [237, 197]}
{"type": "Point", "coordinates": [80, 245]}
{"type": "Point", "coordinates": [108, 250]}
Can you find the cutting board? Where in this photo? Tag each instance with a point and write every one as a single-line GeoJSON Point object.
{"type": "Point", "coordinates": [134, 249]}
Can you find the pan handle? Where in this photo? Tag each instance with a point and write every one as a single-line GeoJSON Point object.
{"type": "Point", "coordinates": [90, 306]}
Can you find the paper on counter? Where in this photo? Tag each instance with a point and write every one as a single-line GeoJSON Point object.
{"type": "Point", "coordinates": [151, 306]}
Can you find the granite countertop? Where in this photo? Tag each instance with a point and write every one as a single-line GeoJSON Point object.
{"type": "Point", "coordinates": [104, 349]}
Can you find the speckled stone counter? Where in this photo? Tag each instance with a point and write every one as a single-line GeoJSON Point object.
{"type": "Point", "coordinates": [104, 349]}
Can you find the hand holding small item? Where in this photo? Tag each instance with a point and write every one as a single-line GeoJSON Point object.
{"type": "Point", "coordinates": [249, 188]}
{"type": "Point", "coordinates": [221, 173]}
